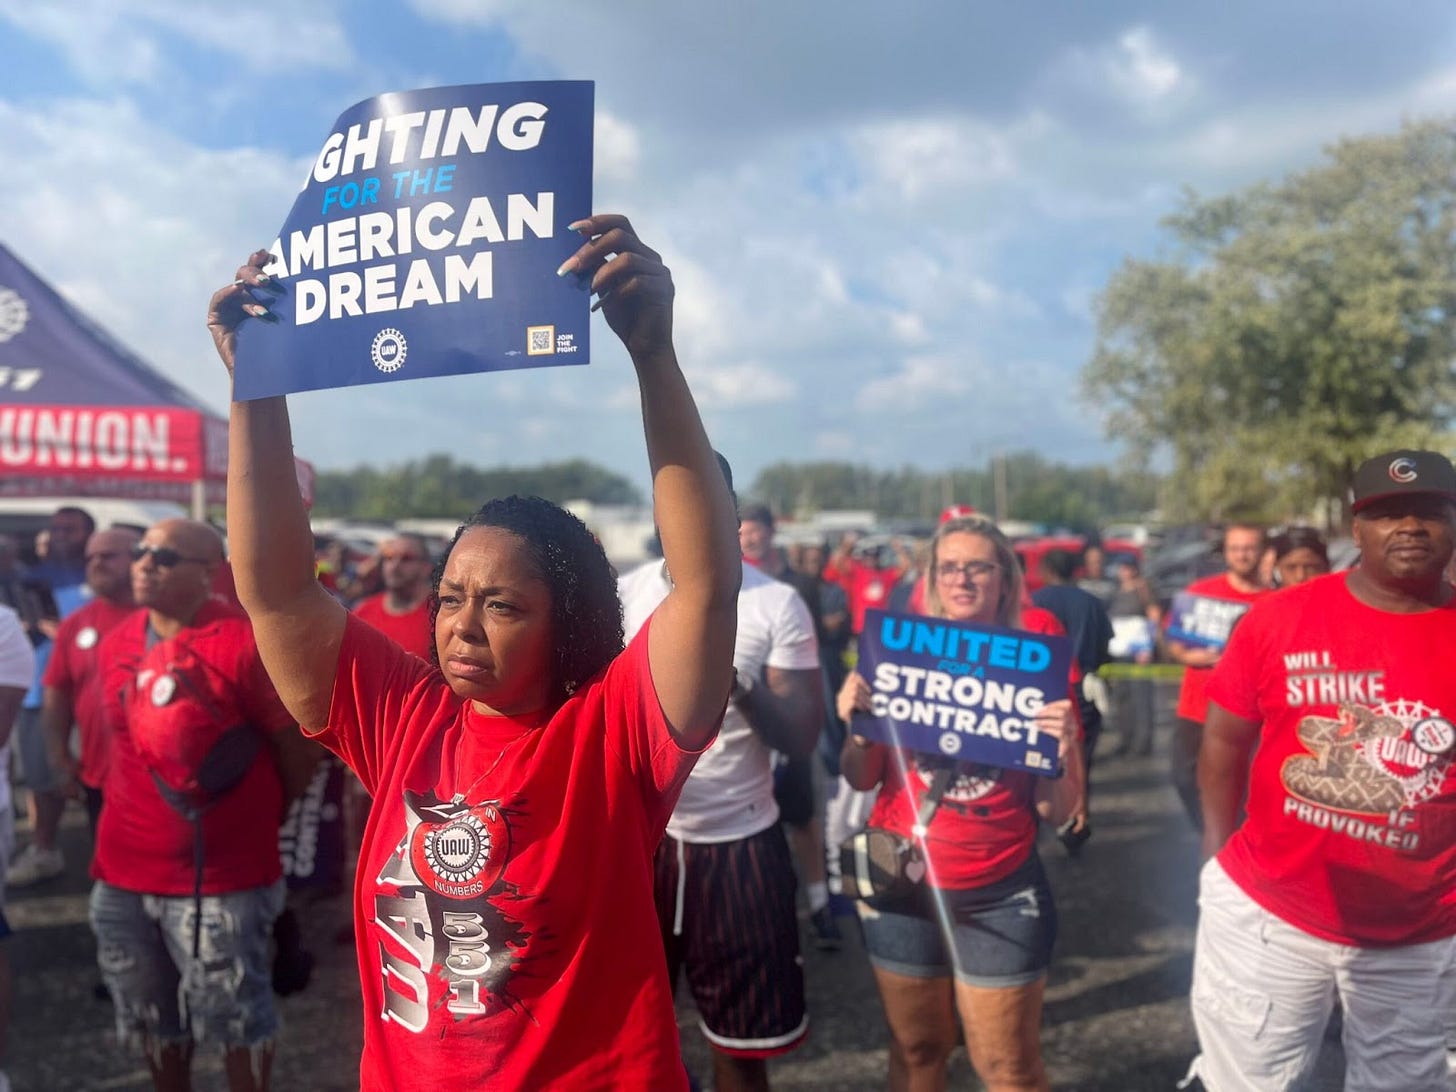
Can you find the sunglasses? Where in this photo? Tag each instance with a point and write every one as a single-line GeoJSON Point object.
{"type": "Point", "coordinates": [164, 557]}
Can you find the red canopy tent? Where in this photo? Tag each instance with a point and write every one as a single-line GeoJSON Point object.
{"type": "Point", "coordinates": [81, 415]}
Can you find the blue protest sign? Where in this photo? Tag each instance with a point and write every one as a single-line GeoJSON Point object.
{"type": "Point", "coordinates": [1202, 621]}
{"type": "Point", "coordinates": [426, 242]}
{"type": "Point", "coordinates": [960, 689]}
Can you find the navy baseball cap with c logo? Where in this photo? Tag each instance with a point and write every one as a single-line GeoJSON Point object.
{"type": "Point", "coordinates": [1398, 473]}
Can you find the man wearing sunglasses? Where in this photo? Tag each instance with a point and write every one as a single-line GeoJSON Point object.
{"type": "Point", "coordinates": [402, 609]}
{"type": "Point", "coordinates": [72, 696]}
{"type": "Point", "coordinates": [188, 878]}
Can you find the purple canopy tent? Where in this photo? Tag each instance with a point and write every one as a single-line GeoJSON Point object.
{"type": "Point", "coordinates": [81, 415]}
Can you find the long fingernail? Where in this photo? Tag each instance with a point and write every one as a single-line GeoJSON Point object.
{"type": "Point", "coordinates": [579, 226]}
{"type": "Point", "coordinates": [600, 300]}
{"type": "Point", "coordinates": [257, 310]}
{"type": "Point", "coordinates": [566, 267]}
{"type": "Point", "coordinates": [263, 278]}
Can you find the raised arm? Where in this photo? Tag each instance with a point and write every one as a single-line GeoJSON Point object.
{"type": "Point", "coordinates": [690, 644]}
{"type": "Point", "coordinates": [297, 623]}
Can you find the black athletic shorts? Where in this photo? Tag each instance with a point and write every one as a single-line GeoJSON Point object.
{"type": "Point", "coordinates": [794, 790]}
{"type": "Point", "coordinates": [729, 920]}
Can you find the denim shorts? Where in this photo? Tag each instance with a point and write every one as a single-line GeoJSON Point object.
{"type": "Point", "coordinates": [1000, 936]}
{"type": "Point", "coordinates": [30, 742]}
{"type": "Point", "coordinates": [162, 994]}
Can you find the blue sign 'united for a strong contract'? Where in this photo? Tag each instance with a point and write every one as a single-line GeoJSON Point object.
{"type": "Point", "coordinates": [962, 689]}
{"type": "Point", "coordinates": [426, 241]}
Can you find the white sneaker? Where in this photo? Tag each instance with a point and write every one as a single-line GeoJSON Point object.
{"type": "Point", "coordinates": [32, 866]}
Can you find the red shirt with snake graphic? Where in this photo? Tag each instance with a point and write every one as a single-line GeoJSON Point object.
{"type": "Point", "coordinates": [1351, 827]}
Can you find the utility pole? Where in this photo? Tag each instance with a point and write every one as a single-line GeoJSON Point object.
{"type": "Point", "coordinates": [998, 476]}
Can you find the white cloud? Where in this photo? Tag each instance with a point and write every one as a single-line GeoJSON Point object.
{"type": "Point", "coordinates": [617, 149]}
{"type": "Point", "coordinates": [735, 386]}
{"type": "Point", "coordinates": [921, 157]}
{"type": "Point", "coordinates": [109, 42]}
{"type": "Point", "coordinates": [1142, 70]}
{"type": "Point", "coordinates": [920, 383]}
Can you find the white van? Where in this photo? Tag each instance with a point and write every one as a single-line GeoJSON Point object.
{"type": "Point", "coordinates": [22, 517]}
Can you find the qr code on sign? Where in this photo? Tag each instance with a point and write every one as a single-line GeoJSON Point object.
{"type": "Point", "coordinates": [540, 340]}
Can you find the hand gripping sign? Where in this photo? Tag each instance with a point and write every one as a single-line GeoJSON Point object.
{"type": "Point", "coordinates": [426, 241]}
{"type": "Point", "coordinates": [965, 690]}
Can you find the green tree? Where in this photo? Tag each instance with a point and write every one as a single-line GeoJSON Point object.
{"type": "Point", "coordinates": [439, 486]}
{"type": "Point", "coordinates": [1295, 329]}
{"type": "Point", "coordinates": [1077, 498]}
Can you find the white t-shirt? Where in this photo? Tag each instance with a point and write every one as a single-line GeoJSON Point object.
{"type": "Point", "coordinates": [729, 794]}
{"type": "Point", "coordinates": [17, 669]}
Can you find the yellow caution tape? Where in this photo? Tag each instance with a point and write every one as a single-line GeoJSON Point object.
{"type": "Point", "coordinates": [1141, 671]}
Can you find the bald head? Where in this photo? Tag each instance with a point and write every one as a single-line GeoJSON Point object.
{"type": "Point", "coordinates": [172, 577]}
{"type": "Point", "coordinates": [193, 537]}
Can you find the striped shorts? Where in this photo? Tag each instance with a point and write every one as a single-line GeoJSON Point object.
{"type": "Point", "coordinates": [729, 920]}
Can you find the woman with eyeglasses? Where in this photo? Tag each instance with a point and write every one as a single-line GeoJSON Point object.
{"type": "Point", "coordinates": [969, 952]}
{"type": "Point", "coordinates": [504, 921]}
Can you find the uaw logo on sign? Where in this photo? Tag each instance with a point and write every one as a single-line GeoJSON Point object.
{"type": "Point", "coordinates": [389, 350]}
{"type": "Point", "coordinates": [462, 854]}
{"type": "Point", "coordinates": [1403, 470]}
{"type": "Point", "coordinates": [14, 313]}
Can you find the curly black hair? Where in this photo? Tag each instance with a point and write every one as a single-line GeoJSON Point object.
{"type": "Point", "coordinates": [586, 615]}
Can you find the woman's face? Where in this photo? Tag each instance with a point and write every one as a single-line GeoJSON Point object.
{"type": "Point", "coordinates": [1299, 565]}
{"type": "Point", "coordinates": [968, 578]}
{"type": "Point", "coordinates": [493, 633]}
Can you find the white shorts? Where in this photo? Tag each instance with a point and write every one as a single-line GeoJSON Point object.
{"type": "Point", "coordinates": [1263, 991]}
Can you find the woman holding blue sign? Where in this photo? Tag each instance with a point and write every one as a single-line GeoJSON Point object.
{"type": "Point", "coordinates": [503, 906]}
{"type": "Point", "coordinates": [974, 939]}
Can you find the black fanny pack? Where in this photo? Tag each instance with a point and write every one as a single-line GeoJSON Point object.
{"type": "Point", "coordinates": [878, 863]}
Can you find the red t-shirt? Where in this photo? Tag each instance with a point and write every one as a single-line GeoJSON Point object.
{"type": "Point", "coordinates": [166, 706]}
{"type": "Point", "coordinates": [866, 587]}
{"type": "Point", "coordinates": [73, 667]}
{"type": "Point", "coordinates": [985, 826]}
{"type": "Point", "coordinates": [1351, 828]}
{"type": "Point", "coordinates": [507, 937]}
{"type": "Point", "coordinates": [1192, 704]}
{"type": "Point", "coordinates": [410, 631]}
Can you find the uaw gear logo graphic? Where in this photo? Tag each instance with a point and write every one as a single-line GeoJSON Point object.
{"type": "Point", "coordinates": [1402, 470]}
{"type": "Point", "coordinates": [1372, 761]}
{"type": "Point", "coordinates": [461, 855]}
{"type": "Point", "coordinates": [14, 314]}
{"type": "Point", "coordinates": [389, 350]}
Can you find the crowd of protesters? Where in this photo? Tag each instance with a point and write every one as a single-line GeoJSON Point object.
{"type": "Point", "coordinates": [571, 788]}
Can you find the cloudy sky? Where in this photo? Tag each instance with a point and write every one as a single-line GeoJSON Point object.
{"type": "Point", "coordinates": [887, 222]}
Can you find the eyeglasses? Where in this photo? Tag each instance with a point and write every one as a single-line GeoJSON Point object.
{"type": "Point", "coordinates": [164, 557]}
{"type": "Point", "coordinates": [974, 570]}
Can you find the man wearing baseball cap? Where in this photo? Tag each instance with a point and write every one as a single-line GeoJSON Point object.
{"type": "Point", "coordinates": [1339, 881]}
